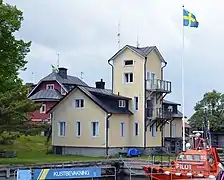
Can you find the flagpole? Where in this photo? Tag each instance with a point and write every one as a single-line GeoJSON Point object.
{"type": "Point", "coordinates": [182, 81]}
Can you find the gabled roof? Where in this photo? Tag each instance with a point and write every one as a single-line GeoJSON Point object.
{"type": "Point", "coordinates": [141, 51]}
{"type": "Point", "coordinates": [105, 92]}
{"type": "Point", "coordinates": [47, 95]}
{"type": "Point", "coordinates": [105, 99]}
{"type": "Point", "coordinates": [64, 83]}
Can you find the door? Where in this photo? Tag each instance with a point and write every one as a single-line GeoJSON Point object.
{"type": "Point", "coordinates": [150, 107]}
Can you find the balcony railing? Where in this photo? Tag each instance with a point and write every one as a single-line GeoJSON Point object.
{"type": "Point", "coordinates": [158, 85]}
{"type": "Point", "coordinates": [160, 113]}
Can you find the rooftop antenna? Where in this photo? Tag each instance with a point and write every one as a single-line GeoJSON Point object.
{"type": "Point", "coordinates": [81, 75]}
{"type": "Point", "coordinates": [33, 78]}
{"type": "Point", "coordinates": [118, 35]}
{"type": "Point", "coordinates": [137, 40]}
{"type": "Point", "coordinates": [58, 60]}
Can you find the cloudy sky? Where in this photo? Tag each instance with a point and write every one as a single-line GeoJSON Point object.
{"type": "Point", "coordinates": [84, 33]}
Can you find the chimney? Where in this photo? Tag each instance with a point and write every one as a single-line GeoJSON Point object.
{"type": "Point", "coordinates": [62, 72]}
{"type": "Point", "coordinates": [100, 84]}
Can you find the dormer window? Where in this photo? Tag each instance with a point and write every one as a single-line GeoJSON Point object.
{"type": "Point", "coordinates": [122, 103]}
{"type": "Point", "coordinates": [128, 62]}
{"type": "Point", "coordinates": [50, 86]}
{"type": "Point", "coordinates": [63, 92]}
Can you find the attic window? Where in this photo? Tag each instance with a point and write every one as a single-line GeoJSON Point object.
{"type": "Point", "coordinates": [128, 62]}
{"type": "Point", "coordinates": [122, 103]}
{"type": "Point", "coordinates": [50, 86]}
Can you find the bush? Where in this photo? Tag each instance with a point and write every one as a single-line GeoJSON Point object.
{"type": "Point", "coordinates": [7, 138]}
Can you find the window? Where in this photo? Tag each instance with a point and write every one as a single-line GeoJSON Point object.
{"type": "Point", "coordinates": [43, 108]}
{"type": "Point", "coordinates": [173, 130]}
{"type": "Point", "coordinates": [61, 129]}
{"type": "Point", "coordinates": [153, 78]}
{"type": "Point", "coordinates": [136, 133]}
{"type": "Point", "coordinates": [153, 130]}
{"type": "Point", "coordinates": [95, 128]}
{"type": "Point", "coordinates": [78, 128]}
{"type": "Point", "coordinates": [122, 129]}
{"type": "Point", "coordinates": [128, 77]}
{"type": "Point", "coordinates": [122, 103]}
{"type": "Point", "coordinates": [128, 62]}
{"type": "Point", "coordinates": [50, 86]}
{"type": "Point", "coordinates": [136, 103]}
{"type": "Point", "coordinates": [170, 108]}
{"type": "Point", "coordinates": [79, 103]}
{"type": "Point", "coordinates": [63, 92]}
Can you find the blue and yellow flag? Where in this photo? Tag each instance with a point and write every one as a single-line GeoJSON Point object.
{"type": "Point", "coordinates": [53, 68]}
{"type": "Point", "coordinates": [189, 19]}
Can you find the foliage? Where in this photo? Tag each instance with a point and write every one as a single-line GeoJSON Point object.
{"type": "Point", "coordinates": [14, 104]}
{"type": "Point", "coordinates": [212, 105]}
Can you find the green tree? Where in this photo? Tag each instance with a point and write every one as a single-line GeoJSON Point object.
{"type": "Point", "coordinates": [212, 104]}
{"type": "Point", "coordinates": [14, 104]}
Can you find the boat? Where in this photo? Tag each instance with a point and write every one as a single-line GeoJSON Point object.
{"type": "Point", "coordinates": [201, 161]}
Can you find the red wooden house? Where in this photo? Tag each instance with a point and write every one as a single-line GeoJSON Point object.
{"type": "Point", "coordinates": [50, 90]}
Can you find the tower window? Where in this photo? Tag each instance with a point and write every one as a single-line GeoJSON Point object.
{"type": "Point", "coordinates": [128, 77]}
{"type": "Point", "coordinates": [128, 62]}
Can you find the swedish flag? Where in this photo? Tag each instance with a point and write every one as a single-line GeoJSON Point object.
{"type": "Point", "coordinates": [189, 19]}
{"type": "Point", "coordinates": [53, 68]}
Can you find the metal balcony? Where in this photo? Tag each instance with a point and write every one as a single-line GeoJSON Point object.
{"type": "Point", "coordinates": [158, 85]}
{"type": "Point", "coordinates": [158, 113]}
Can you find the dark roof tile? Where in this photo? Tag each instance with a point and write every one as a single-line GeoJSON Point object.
{"type": "Point", "coordinates": [46, 94]}
{"type": "Point", "coordinates": [106, 92]}
{"type": "Point", "coordinates": [70, 79]}
{"type": "Point", "coordinates": [108, 103]}
{"type": "Point", "coordinates": [170, 102]}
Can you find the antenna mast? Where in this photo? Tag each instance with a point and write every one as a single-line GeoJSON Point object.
{"type": "Point", "coordinates": [33, 77]}
{"type": "Point", "coordinates": [137, 39]}
{"type": "Point", "coordinates": [81, 77]}
{"type": "Point", "coordinates": [58, 60]}
{"type": "Point", "coordinates": [118, 36]}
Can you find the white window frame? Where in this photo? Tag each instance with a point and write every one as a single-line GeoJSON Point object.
{"type": "Point", "coordinates": [153, 130]}
{"type": "Point", "coordinates": [136, 103]}
{"type": "Point", "coordinates": [78, 100]}
{"type": "Point", "coordinates": [63, 92]}
{"type": "Point", "coordinates": [128, 64]}
{"type": "Point", "coordinates": [122, 103]}
{"type": "Point", "coordinates": [122, 129]}
{"type": "Point", "coordinates": [76, 128]}
{"type": "Point", "coordinates": [153, 77]}
{"type": "Point", "coordinates": [134, 128]}
{"type": "Point", "coordinates": [97, 129]}
{"type": "Point", "coordinates": [129, 77]}
{"type": "Point", "coordinates": [45, 108]}
{"type": "Point", "coordinates": [61, 134]}
{"type": "Point", "coordinates": [49, 85]}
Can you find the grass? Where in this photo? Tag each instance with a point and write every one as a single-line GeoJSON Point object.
{"type": "Point", "coordinates": [32, 150]}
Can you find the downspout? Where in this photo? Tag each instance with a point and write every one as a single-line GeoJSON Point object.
{"type": "Point", "coordinates": [162, 70]}
{"type": "Point", "coordinates": [112, 78]}
{"type": "Point", "coordinates": [145, 101]}
{"type": "Point", "coordinates": [162, 131]}
{"type": "Point", "coordinates": [107, 133]}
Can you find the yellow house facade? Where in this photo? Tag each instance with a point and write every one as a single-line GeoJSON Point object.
{"type": "Point", "coordinates": [95, 121]}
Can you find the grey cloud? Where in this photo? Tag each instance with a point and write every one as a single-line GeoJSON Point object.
{"type": "Point", "coordinates": [85, 35]}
